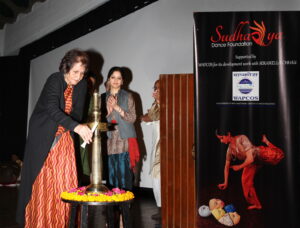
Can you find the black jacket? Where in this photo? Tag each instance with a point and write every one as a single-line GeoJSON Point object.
{"type": "Point", "coordinates": [48, 114]}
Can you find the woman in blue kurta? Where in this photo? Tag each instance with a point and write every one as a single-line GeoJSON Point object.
{"type": "Point", "coordinates": [122, 147]}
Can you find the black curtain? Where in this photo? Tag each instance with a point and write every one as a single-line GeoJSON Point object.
{"type": "Point", "coordinates": [13, 105]}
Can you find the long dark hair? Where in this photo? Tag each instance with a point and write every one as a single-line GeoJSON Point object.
{"type": "Point", "coordinates": [71, 57]}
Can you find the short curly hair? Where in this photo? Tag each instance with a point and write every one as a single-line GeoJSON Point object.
{"type": "Point", "coordinates": [71, 57]}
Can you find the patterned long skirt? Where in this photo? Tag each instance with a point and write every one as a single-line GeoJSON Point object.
{"type": "Point", "coordinates": [45, 208]}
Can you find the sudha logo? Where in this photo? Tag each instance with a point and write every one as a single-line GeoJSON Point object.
{"type": "Point", "coordinates": [259, 34]}
{"type": "Point", "coordinates": [245, 86]}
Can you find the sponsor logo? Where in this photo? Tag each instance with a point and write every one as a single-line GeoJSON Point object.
{"type": "Point", "coordinates": [245, 86]}
{"type": "Point", "coordinates": [244, 33]}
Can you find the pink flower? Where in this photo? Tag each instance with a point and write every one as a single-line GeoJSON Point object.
{"type": "Point", "coordinates": [82, 188]}
{"type": "Point", "coordinates": [73, 190]}
{"type": "Point", "coordinates": [116, 190]}
{"type": "Point", "coordinates": [109, 193]}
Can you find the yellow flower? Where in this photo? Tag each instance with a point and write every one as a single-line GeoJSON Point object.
{"type": "Point", "coordinates": [80, 195]}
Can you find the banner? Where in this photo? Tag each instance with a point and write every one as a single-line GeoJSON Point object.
{"type": "Point", "coordinates": [247, 118]}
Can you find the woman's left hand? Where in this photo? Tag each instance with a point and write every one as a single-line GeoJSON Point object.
{"type": "Point", "coordinates": [112, 101]}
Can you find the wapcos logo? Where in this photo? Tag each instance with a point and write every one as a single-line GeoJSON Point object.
{"type": "Point", "coordinates": [245, 86]}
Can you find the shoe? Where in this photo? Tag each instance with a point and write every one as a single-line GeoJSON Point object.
{"type": "Point", "coordinates": [157, 216]}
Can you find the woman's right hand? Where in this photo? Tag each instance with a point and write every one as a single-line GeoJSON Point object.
{"type": "Point", "coordinates": [222, 186]}
{"type": "Point", "coordinates": [145, 118]}
{"type": "Point", "coordinates": [112, 101]}
{"type": "Point", "coordinates": [84, 132]}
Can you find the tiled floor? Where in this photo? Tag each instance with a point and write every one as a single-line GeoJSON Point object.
{"type": "Point", "coordinates": [142, 209]}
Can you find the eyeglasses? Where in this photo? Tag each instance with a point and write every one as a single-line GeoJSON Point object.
{"type": "Point", "coordinates": [155, 88]}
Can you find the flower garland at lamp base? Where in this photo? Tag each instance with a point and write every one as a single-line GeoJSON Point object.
{"type": "Point", "coordinates": [79, 194]}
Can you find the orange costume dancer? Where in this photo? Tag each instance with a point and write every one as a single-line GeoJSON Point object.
{"type": "Point", "coordinates": [241, 148]}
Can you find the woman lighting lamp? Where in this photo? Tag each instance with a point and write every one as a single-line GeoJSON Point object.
{"type": "Point", "coordinates": [49, 162]}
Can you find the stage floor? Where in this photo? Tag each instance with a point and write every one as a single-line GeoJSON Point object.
{"type": "Point", "coordinates": [142, 209]}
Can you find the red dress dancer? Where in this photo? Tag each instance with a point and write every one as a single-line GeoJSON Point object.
{"type": "Point", "coordinates": [241, 148]}
{"type": "Point", "coordinates": [45, 208]}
